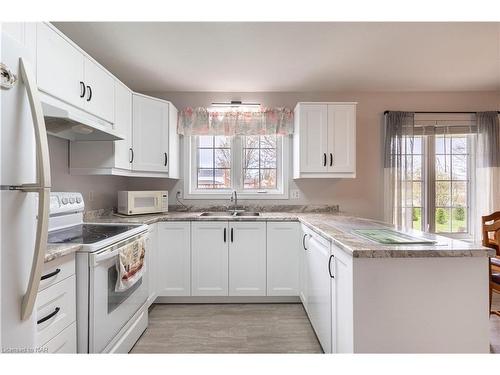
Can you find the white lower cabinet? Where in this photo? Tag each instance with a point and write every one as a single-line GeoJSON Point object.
{"type": "Point", "coordinates": [65, 342]}
{"type": "Point", "coordinates": [283, 241]}
{"type": "Point", "coordinates": [174, 259]}
{"type": "Point", "coordinates": [209, 258]}
{"type": "Point", "coordinates": [342, 302]}
{"type": "Point", "coordinates": [152, 262]}
{"type": "Point", "coordinates": [318, 290]}
{"type": "Point", "coordinates": [247, 259]}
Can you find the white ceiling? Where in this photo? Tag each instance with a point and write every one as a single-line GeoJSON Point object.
{"type": "Point", "coordinates": [245, 57]}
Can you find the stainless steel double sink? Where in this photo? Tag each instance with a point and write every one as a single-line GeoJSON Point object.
{"type": "Point", "coordinates": [223, 214]}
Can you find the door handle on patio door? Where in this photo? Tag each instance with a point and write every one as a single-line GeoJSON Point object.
{"type": "Point", "coordinates": [42, 187]}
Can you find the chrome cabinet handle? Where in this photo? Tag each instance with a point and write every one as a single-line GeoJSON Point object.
{"type": "Point", "coordinates": [89, 97]}
{"type": "Point", "coordinates": [330, 267]}
{"type": "Point", "coordinates": [42, 187]}
{"type": "Point", "coordinates": [331, 159]}
{"type": "Point", "coordinates": [52, 314]}
{"type": "Point", "coordinates": [52, 274]}
{"type": "Point", "coordinates": [82, 89]}
{"type": "Point", "coordinates": [304, 241]}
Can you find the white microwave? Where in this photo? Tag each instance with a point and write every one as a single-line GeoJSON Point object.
{"type": "Point", "coordinates": [142, 202]}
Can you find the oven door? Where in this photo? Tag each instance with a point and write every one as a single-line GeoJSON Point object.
{"type": "Point", "coordinates": [110, 311]}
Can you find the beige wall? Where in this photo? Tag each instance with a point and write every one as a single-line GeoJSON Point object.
{"type": "Point", "coordinates": [362, 196]}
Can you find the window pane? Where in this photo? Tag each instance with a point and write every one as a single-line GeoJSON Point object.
{"type": "Point", "coordinates": [222, 158]}
{"type": "Point", "coordinates": [222, 178]}
{"type": "Point", "coordinates": [417, 167]}
{"type": "Point", "coordinates": [206, 141]}
{"type": "Point", "coordinates": [268, 158]}
{"type": "Point", "coordinates": [251, 179]}
{"type": "Point", "coordinates": [417, 194]}
{"type": "Point", "coordinates": [459, 220]}
{"type": "Point", "coordinates": [443, 145]}
{"type": "Point", "coordinates": [459, 167]}
{"type": "Point", "coordinates": [205, 178]}
{"type": "Point", "coordinates": [251, 141]}
{"type": "Point", "coordinates": [459, 145]}
{"type": "Point", "coordinates": [417, 218]}
{"type": "Point", "coordinates": [268, 179]}
{"type": "Point", "coordinates": [459, 193]}
{"type": "Point", "coordinates": [443, 193]}
{"type": "Point", "coordinates": [222, 141]}
{"type": "Point", "coordinates": [205, 158]}
{"type": "Point", "coordinates": [268, 141]}
{"type": "Point", "coordinates": [443, 167]}
{"type": "Point", "coordinates": [443, 220]}
{"type": "Point", "coordinates": [251, 158]}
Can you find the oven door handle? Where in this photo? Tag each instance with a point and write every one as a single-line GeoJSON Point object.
{"type": "Point", "coordinates": [104, 255]}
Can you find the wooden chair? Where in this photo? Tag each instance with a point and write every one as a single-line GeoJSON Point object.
{"type": "Point", "coordinates": [491, 239]}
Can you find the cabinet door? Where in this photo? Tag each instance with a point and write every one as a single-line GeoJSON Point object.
{"type": "Point", "coordinates": [313, 137]}
{"type": "Point", "coordinates": [247, 259]}
{"type": "Point", "coordinates": [174, 259]}
{"type": "Point", "coordinates": [319, 302]}
{"type": "Point", "coordinates": [209, 258]}
{"type": "Point", "coordinates": [100, 91]}
{"type": "Point", "coordinates": [341, 138]}
{"type": "Point", "coordinates": [150, 134]}
{"type": "Point", "coordinates": [60, 66]}
{"type": "Point", "coordinates": [123, 126]}
{"type": "Point", "coordinates": [303, 268]}
{"type": "Point", "coordinates": [151, 262]}
{"type": "Point", "coordinates": [283, 241]}
{"type": "Point", "coordinates": [173, 143]}
{"type": "Point", "coordinates": [342, 302]}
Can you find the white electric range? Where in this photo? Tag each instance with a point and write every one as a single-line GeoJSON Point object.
{"type": "Point", "coordinates": [107, 321]}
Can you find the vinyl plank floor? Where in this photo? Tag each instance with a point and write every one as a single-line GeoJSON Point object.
{"type": "Point", "coordinates": [243, 328]}
{"type": "Point", "coordinates": [228, 328]}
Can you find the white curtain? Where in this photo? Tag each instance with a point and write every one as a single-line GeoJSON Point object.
{"type": "Point", "coordinates": [487, 189]}
{"type": "Point", "coordinates": [399, 137]}
{"type": "Point", "coordinates": [204, 121]}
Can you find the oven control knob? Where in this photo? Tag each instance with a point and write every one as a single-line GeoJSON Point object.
{"type": "Point", "coordinates": [72, 200]}
{"type": "Point", "coordinates": [64, 200]}
{"type": "Point", "coordinates": [78, 199]}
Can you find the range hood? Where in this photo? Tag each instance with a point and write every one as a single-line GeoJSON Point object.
{"type": "Point", "coordinates": [74, 125]}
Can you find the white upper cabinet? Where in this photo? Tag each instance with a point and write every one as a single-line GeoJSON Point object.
{"type": "Point", "coordinates": [283, 239]}
{"type": "Point", "coordinates": [247, 259]}
{"type": "Point", "coordinates": [60, 67]}
{"type": "Point", "coordinates": [174, 259]}
{"type": "Point", "coordinates": [150, 134]}
{"type": "Point", "coordinates": [209, 258]}
{"type": "Point", "coordinates": [99, 91]}
{"type": "Point", "coordinates": [123, 126]}
{"type": "Point", "coordinates": [66, 73]}
{"type": "Point", "coordinates": [324, 140]}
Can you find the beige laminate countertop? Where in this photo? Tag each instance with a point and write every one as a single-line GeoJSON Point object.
{"type": "Point", "coordinates": [334, 227]}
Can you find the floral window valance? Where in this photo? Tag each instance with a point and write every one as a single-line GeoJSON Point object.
{"type": "Point", "coordinates": [204, 121]}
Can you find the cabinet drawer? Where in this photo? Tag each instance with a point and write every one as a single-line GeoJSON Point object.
{"type": "Point", "coordinates": [57, 270]}
{"type": "Point", "coordinates": [61, 298]}
{"type": "Point", "coordinates": [65, 342]}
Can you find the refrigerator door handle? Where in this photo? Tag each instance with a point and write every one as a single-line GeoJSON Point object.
{"type": "Point", "coordinates": [42, 187]}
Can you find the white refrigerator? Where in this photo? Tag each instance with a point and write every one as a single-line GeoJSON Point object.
{"type": "Point", "coordinates": [25, 195]}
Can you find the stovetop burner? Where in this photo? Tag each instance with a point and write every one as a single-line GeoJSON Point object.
{"type": "Point", "coordinates": [87, 233]}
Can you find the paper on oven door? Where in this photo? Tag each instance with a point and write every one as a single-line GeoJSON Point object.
{"type": "Point", "coordinates": [130, 265]}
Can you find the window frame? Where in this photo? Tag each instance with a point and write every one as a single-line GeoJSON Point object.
{"type": "Point", "coordinates": [191, 190]}
{"type": "Point", "coordinates": [428, 198]}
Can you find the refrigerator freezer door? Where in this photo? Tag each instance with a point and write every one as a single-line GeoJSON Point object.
{"type": "Point", "coordinates": [21, 232]}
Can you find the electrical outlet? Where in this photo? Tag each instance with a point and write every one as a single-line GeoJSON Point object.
{"type": "Point", "coordinates": [295, 194]}
{"type": "Point", "coordinates": [91, 196]}
{"type": "Point", "coordinates": [179, 194]}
